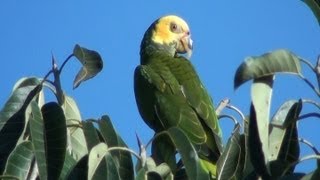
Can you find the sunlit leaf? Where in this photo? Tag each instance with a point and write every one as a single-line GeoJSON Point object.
{"type": "Point", "coordinates": [12, 119]}
{"type": "Point", "coordinates": [314, 5]}
{"type": "Point", "coordinates": [55, 138]}
{"type": "Point", "coordinates": [97, 155]}
{"type": "Point", "coordinates": [283, 143]}
{"type": "Point", "coordinates": [20, 160]}
{"type": "Point", "coordinates": [261, 92]}
{"type": "Point", "coordinates": [91, 62]}
{"type": "Point", "coordinates": [229, 161]}
{"type": "Point", "coordinates": [267, 64]}
{"type": "Point", "coordinates": [111, 137]}
{"type": "Point", "coordinates": [73, 118]}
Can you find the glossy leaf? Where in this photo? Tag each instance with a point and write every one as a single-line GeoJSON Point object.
{"type": "Point", "coordinates": [91, 134]}
{"type": "Point", "coordinates": [91, 62]}
{"type": "Point", "coordinates": [123, 159]}
{"type": "Point", "coordinates": [12, 119]}
{"type": "Point", "coordinates": [73, 118]}
{"type": "Point", "coordinates": [55, 138]}
{"type": "Point", "coordinates": [187, 152]}
{"type": "Point", "coordinates": [267, 64]}
{"type": "Point", "coordinates": [261, 92]}
{"type": "Point", "coordinates": [229, 161]}
{"type": "Point", "coordinates": [20, 160]}
{"type": "Point", "coordinates": [96, 169]}
{"type": "Point", "coordinates": [314, 5]}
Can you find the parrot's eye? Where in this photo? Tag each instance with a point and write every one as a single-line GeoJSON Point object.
{"type": "Point", "coordinates": [173, 27]}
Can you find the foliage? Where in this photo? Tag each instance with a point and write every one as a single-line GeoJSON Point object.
{"type": "Point", "coordinates": [50, 140]}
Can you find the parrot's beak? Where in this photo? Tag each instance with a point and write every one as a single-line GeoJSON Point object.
{"type": "Point", "coordinates": [186, 44]}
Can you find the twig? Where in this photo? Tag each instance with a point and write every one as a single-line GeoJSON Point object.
{"type": "Point", "coordinates": [317, 71]}
{"type": "Point", "coordinates": [57, 84]}
{"type": "Point", "coordinates": [309, 101]}
{"type": "Point", "coordinates": [308, 115]}
{"type": "Point", "coordinates": [222, 105]}
{"type": "Point", "coordinates": [237, 110]}
{"type": "Point", "coordinates": [310, 84]}
{"type": "Point", "coordinates": [308, 64]}
{"type": "Point", "coordinates": [315, 150]}
{"type": "Point", "coordinates": [65, 62]}
{"type": "Point", "coordinates": [230, 117]}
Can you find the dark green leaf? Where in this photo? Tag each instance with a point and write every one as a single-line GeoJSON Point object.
{"type": "Point", "coordinates": [55, 138]}
{"type": "Point", "coordinates": [99, 170]}
{"type": "Point", "coordinates": [38, 139]}
{"type": "Point", "coordinates": [255, 146]}
{"type": "Point", "coordinates": [20, 160]}
{"type": "Point", "coordinates": [267, 64]}
{"type": "Point", "coordinates": [314, 5]}
{"type": "Point", "coordinates": [26, 81]}
{"type": "Point", "coordinates": [80, 170]}
{"type": "Point", "coordinates": [164, 151]}
{"type": "Point", "coordinates": [187, 152]}
{"type": "Point", "coordinates": [123, 159]}
{"type": "Point", "coordinates": [91, 62]}
{"type": "Point", "coordinates": [90, 133]}
{"type": "Point", "coordinates": [12, 119]}
{"type": "Point", "coordinates": [283, 143]}
{"type": "Point", "coordinates": [229, 161]}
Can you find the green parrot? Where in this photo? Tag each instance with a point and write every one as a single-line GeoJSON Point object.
{"type": "Point", "coordinates": [169, 92]}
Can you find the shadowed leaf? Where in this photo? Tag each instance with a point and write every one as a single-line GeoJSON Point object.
{"type": "Point", "coordinates": [91, 62]}
{"type": "Point", "coordinates": [91, 134]}
{"type": "Point", "coordinates": [111, 137]}
{"type": "Point", "coordinates": [55, 138]}
{"type": "Point", "coordinates": [265, 65]}
{"type": "Point", "coordinates": [229, 161]}
{"type": "Point", "coordinates": [68, 165]}
{"type": "Point", "coordinates": [12, 119]}
{"type": "Point", "coordinates": [314, 5]}
{"type": "Point", "coordinates": [20, 160]}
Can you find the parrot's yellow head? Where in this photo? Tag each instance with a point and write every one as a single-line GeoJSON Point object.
{"type": "Point", "coordinates": [170, 33]}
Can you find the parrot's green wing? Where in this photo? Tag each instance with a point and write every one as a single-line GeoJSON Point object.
{"type": "Point", "coordinates": [162, 104]}
{"type": "Point", "coordinates": [198, 98]}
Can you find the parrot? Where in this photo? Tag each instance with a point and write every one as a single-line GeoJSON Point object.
{"type": "Point", "coordinates": [169, 92]}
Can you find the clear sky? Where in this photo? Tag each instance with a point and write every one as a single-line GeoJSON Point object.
{"type": "Point", "coordinates": [224, 33]}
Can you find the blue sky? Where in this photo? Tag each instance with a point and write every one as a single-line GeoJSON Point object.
{"type": "Point", "coordinates": [224, 34]}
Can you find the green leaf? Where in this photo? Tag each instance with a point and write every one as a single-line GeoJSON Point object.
{"type": "Point", "coordinates": [90, 133]}
{"type": "Point", "coordinates": [73, 118]}
{"type": "Point", "coordinates": [80, 170]}
{"type": "Point", "coordinates": [164, 151]}
{"type": "Point", "coordinates": [257, 155]}
{"type": "Point", "coordinates": [96, 169]}
{"type": "Point", "coordinates": [267, 64]}
{"type": "Point", "coordinates": [261, 92]}
{"type": "Point", "coordinates": [68, 165]}
{"type": "Point", "coordinates": [123, 159]}
{"type": "Point", "coordinates": [20, 160]}
{"type": "Point", "coordinates": [283, 142]}
{"type": "Point", "coordinates": [55, 138]}
{"type": "Point", "coordinates": [229, 161]}
{"type": "Point", "coordinates": [91, 62]}
{"type": "Point", "coordinates": [38, 141]}
{"type": "Point", "coordinates": [314, 5]}
{"type": "Point", "coordinates": [26, 81]}
{"type": "Point", "coordinates": [187, 152]}
{"type": "Point", "coordinates": [12, 119]}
